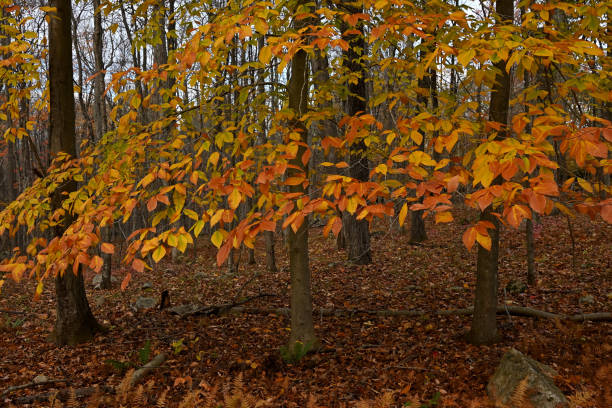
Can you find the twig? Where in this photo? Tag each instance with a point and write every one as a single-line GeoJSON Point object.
{"type": "Point", "coordinates": [31, 384]}
{"type": "Point", "coordinates": [144, 370]}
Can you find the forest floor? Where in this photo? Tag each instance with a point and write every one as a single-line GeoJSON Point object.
{"type": "Point", "coordinates": [362, 357]}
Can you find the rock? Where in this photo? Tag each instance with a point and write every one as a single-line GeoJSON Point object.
{"type": "Point", "coordinates": [588, 299]}
{"type": "Point", "coordinates": [143, 303]}
{"type": "Point", "coordinates": [39, 379]}
{"type": "Point", "coordinates": [516, 286]}
{"type": "Point", "coordinates": [97, 280]}
{"type": "Point", "coordinates": [514, 368]}
{"type": "Point", "coordinates": [147, 285]}
{"type": "Point", "coordinates": [99, 301]}
{"type": "Point", "coordinates": [200, 275]}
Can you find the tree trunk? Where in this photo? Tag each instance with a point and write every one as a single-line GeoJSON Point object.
{"type": "Point", "coordinates": [484, 323]}
{"type": "Point", "coordinates": [270, 256]}
{"type": "Point", "coordinates": [99, 112]}
{"type": "Point", "coordinates": [75, 323]}
{"type": "Point", "coordinates": [302, 327]}
{"type": "Point", "coordinates": [357, 232]}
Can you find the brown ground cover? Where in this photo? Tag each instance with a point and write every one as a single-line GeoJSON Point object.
{"type": "Point", "coordinates": [362, 357]}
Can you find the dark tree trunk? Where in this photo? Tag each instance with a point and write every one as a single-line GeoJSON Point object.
{"type": "Point", "coordinates": [270, 256]}
{"type": "Point", "coordinates": [75, 323]}
{"type": "Point", "coordinates": [356, 232]}
{"type": "Point", "coordinates": [302, 326]}
{"type": "Point", "coordinates": [484, 323]}
{"type": "Point", "coordinates": [532, 274]}
{"type": "Point", "coordinates": [417, 223]}
{"type": "Point", "coordinates": [99, 112]}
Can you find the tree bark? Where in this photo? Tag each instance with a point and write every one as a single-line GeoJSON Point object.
{"type": "Point", "coordinates": [484, 324]}
{"type": "Point", "coordinates": [302, 327]}
{"type": "Point", "coordinates": [99, 112]}
{"type": "Point", "coordinates": [75, 323]}
{"type": "Point", "coordinates": [270, 256]}
{"type": "Point", "coordinates": [356, 232]}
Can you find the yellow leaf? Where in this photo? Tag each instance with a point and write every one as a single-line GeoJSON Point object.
{"type": "Point", "coordinates": [197, 227]}
{"type": "Point", "coordinates": [445, 216]}
{"type": "Point", "coordinates": [214, 158]}
{"type": "Point", "coordinates": [217, 238]}
{"type": "Point", "coordinates": [402, 214]}
{"type": "Point", "coordinates": [417, 137]}
{"type": "Point", "coordinates": [234, 199]}
{"type": "Point", "coordinates": [585, 184]}
{"type": "Point", "coordinates": [159, 253]}
{"type": "Point", "coordinates": [484, 241]}
{"type": "Point", "coordinates": [265, 54]}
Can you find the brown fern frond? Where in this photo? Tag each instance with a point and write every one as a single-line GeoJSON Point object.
{"type": "Point", "coordinates": [124, 387]}
{"type": "Point", "coordinates": [190, 400]}
{"type": "Point", "coordinates": [312, 401]}
{"type": "Point", "coordinates": [55, 402]}
{"type": "Point", "coordinates": [582, 399]}
{"type": "Point", "coordinates": [96, 399]}
{"type": "Point", "coordinates": [161, 401]}
{"type": "Point", "coordinates": [519, 396]}
{"type": "Point", "coordinates": [138, 398]}
{"type": "Point", "coordinates": [386, 400]}
{"type": "Point", "coordinates": [238, 384]}
{"type": "Point", "coordinates": [71, 401]}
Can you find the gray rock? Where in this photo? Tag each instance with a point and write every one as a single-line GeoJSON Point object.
{"type": "Point", "coordinates": [588, 299]}
{"type": "Point", "coordinates": [147, 285]}
{"type": "Point", "coordinates": [516, 367]}
{"type": "Point", "coordinates": [97, 280]}
{"type": "Point", "coordinates": [143, 303]}
{"type": "Point", "coordinates": [99, 301]}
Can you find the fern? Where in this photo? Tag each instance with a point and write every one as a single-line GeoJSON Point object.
{"type": "Point", "coordinates": [71, 402]}
{"type": "Point", "coordinates": [582, 399]}
{"type": "Point", "coordinates": [161, 401]}
{"type": "Point", "coordinates": [519, 396]}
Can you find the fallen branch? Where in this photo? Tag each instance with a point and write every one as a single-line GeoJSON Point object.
{"type": "Point", "coordinates": [144, 370]}
{"type": "Point", "coordinates": [512, 310]}
{"type": "Point", "coordinates": [31, 384]}
{"type": "Point", "coordinates": [202, 310]}
{"type": "Point", "coordinates": [63, 395]}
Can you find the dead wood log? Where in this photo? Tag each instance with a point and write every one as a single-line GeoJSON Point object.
{"type": "Point", "coordinates": [202, 310]}
{"type": "Point", "coordinates": [144, 370]}
{"type": "Point", "coordinates": [31, 385]}
{"type": "Point", "coordinates": [511, 310]}
{"type": "Point", "coordinates": [63, 394]}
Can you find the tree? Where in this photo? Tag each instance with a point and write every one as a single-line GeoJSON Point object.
{"type": "Point", "coordinates": [356, 231]}
{"type": "Point", "coordinates": [302, 326]}
{"type": "Point", "coordinates": [75, 323]}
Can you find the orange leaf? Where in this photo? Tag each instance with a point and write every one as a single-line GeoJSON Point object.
{"type": "Point", "coordinates": [138, 265]}
{"type": "Point", "coordinates": [537, 202]}
{"type": "Point", "coordinates": [127, 279]}
{"type": "Point", "coordinates": [606, 213]}
{"type": "Point", "coordinates": [107, 248]}
{"type": "Point", "coordinates": [445, 216]}
{"type": "Point", "coordinates": [469, 238]}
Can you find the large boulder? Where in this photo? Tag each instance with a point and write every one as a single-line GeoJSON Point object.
{"type": "Point", "coordinates": [517, 370]}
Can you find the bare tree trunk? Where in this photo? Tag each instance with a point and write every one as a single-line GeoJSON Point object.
{"type": "Point", "coordinates": [302, 326]}
{"type": "Point", "coordinates": [532, 273]}
{"type": "Point", "coordinates": [99, 112]}
{"type": "Point", "coordinates": [75, 323]}
{"type": "Point", "coordinates": [270, 256]}
{"type": "Point", "coordinates": [484, 323]}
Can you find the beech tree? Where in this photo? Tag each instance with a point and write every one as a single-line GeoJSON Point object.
{"type": "Point", "coordinates": [210, 137]}
{"type": "Point", "coordinates": [75, 323]}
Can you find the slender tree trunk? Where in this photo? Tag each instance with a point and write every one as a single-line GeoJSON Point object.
{"type": "Point", "coordinates": [484, 323]}
{"type": "Point", "coordinates": [302, 326]}
{"type": "Point", "coordinates": [75, 323]}
{"type": "Point", "coordinates": [99, 112]}
{"type": "Point", "coordinates": [356, 232]}
{"type": "Point", "coordinates": [270, 256]}
{"type": "Point", "coordinates": [417, 223]}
